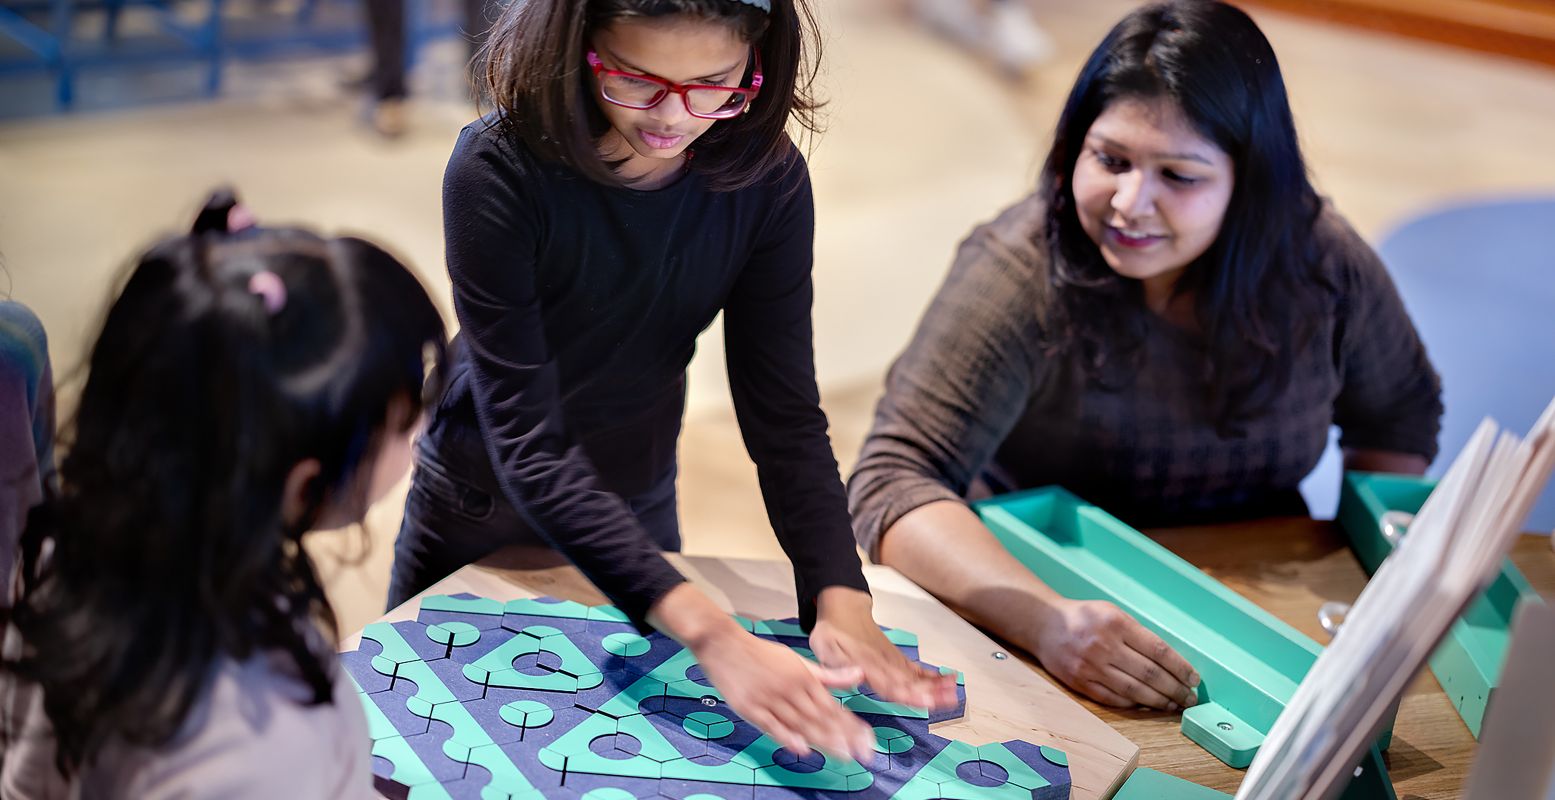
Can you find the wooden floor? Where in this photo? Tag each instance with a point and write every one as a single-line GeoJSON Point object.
{"type": "Point", "coordinates": [924, 143]}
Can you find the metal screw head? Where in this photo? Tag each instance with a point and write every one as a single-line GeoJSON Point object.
{"type": "Point", "coordinates": [709, 701]}
{"type": "Point", "coordinates": [1226, 726]}
{"type": "Point", "coordinates": [1000, 655]}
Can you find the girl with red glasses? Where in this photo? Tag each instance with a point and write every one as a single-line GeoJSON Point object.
{"type": "Point", "coordinates": [588, 247]}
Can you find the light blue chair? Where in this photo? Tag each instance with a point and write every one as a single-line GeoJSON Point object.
{"type": "Point", "coordinates": [1478, 279]}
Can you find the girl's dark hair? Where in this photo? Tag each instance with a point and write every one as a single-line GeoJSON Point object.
{"type": "Point", "coordinates": [1257, 292]}
{"type": "Point", "coordinates": [165, 548]}
{"type": "Point", "coordinates": [533, 70]}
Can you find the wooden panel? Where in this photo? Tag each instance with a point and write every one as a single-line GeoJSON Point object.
{"type": "Point", "coordinates": [1005, 699]}
{"type": "Point", "coordinates": [1522, 29]}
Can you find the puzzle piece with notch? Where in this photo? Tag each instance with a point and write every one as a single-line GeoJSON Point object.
{"type": "Point", "coordinates": [541, 698]}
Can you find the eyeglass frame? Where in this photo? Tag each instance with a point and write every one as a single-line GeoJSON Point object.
{"type": "Point", "coordinates": [669, 87]}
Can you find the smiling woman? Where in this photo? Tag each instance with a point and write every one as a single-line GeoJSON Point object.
{"type": "Point", "coordinates": [1167, 327]}
{"type": "Point", "coordinates": [1151, 193]}
{"type": "Point", "coordinates": [587, 249]}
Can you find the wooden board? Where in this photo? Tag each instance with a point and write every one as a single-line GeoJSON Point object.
{"type": "Point", "coordinates": [1005, 698]}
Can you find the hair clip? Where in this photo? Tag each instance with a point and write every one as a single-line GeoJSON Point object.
{"type": "Point", "coordinates": [764, 5]}
{"type": "Point", "coordinates": [239, 218]}
{"type": "Point", "coordinates": [270, 288]}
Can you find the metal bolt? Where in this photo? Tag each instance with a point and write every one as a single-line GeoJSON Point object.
{"type": "Point", "coordinates": [999, 655]}
{"type": "Point", "coordinates": [1226, 726]}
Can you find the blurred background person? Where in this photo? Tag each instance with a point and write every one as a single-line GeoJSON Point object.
{"type": "Point", "coordinates": [1004, 31]}
{"type": "Point", "coordinates": [388, 36]}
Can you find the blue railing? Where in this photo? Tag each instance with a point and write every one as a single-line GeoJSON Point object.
{"type": "Point", "coordinates": [65, 37]}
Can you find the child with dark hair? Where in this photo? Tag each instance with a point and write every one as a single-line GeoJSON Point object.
{"type": "Point", "coordinates": [26, 426]}
{"type": "Point", "coordinates": [636, 179]}
{"type": "Point", "coordinates": [169, 636]}
{"type": "Point", "coordinates": [1168, 327]}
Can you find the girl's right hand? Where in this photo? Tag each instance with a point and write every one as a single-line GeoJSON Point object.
{"type": "Point", "coordinates": [769, 685]}
{"type": "Point", "coordinates": [785, 694]}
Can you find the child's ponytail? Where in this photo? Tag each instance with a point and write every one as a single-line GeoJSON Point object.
{"type": "Point", "coordinates": [231, 355]}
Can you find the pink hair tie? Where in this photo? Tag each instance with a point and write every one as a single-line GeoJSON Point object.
{"type": "Point", "coordinates": [269, 287]}
{"type": "Point", "coordinates": [239, 218]}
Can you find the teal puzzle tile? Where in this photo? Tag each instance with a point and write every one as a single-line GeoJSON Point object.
{"type": "Point", "coordinates": [608, 614]}
{"type": "Point", "coordinates": [608, 787]}
{"type": "Point", "coordinates": [429, 791]}
{"type": "Point", "coordinates": [708, 768]}
{"type": "Point", "coordinates": [359, 665]}
{"type": "Point", "coordinates": [505, 775]}
{"type": "Point", "coordinates": [696, 790]}
{"type": "Point", "coordinates": [453, 633]}
{"type": "Point", "coordinates": [431, 748]}
{"type": "Point", "coordinates": [424, 688]}
{"type": "Point", "coordinates": [379, 726]}
{"type": "Point", "coordinates": [623, 693]}
{"type": "Point", "coordinates": [394, 706]}
{"type": "Point", "coordinates": [781, 628]}
{"type": "Point", "coordinates": [567, 625]}
{"type": "Point", "coordinates": [547, 607]}
{"type": "Point", "coordinates": [481, 612]}
{"type": "Point", "coordinates": [426, 645]}
{"type": "Point", "coordinates": [406, 767]}
{"type": "Point", "coordinates": [393, 650]}
{"type": "Point", "coordinates": [694, 690]}
{"type": "Point", "coordinates": [555, 793]}
{"type": "Point", "coordinates": [452, 677]}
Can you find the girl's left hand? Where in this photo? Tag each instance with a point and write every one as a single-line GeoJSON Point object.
{"type": "Point", "coordinates": [845, 635]}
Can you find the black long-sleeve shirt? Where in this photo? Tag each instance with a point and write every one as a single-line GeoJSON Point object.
{"type": "Point", "coordinates": [580, 305]}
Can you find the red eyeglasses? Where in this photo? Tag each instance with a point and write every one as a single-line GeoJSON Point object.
{"type": "Point", "coordinates": [640, 92]}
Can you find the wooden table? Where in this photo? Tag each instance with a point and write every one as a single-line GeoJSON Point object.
{"type": "Point", "coordinates": [1290, 567]}
{"type": "Point", "coordinates": [1005, 699]}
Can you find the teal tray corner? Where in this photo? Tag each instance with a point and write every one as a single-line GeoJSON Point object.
{"type": "Point", "coordinates": [1468, 662]}
{"type": "Point", "coordinates": [1147, 784]}
{"type": "Point", "coordinates": [1249, 661]}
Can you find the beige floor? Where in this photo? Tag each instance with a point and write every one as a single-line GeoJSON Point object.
{"type": "Point", "coordinates": [923, 143]}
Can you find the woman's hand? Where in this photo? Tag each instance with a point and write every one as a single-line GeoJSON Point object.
{"type": "Point", "coordinates": [1100, 651]}
{"type": "Point", "coordinates": [846, 635]}
{"type": "Point", "coordinates": [767, 684]}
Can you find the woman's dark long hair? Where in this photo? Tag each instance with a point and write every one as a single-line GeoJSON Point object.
{"type": "Point", "coordinates": [533, 70]}
{"type": "Point", "coordinates": [165, 548]}
{"type": "Point", "coordinates": [1257, 292]}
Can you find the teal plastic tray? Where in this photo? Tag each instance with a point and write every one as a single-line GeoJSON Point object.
{"type": "Point", "coordinates": [1468, 662]}
{"type": "Point", "coordinates": [1147, 784]}
{"type": "Point", "coordinates": [1249, 661]}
